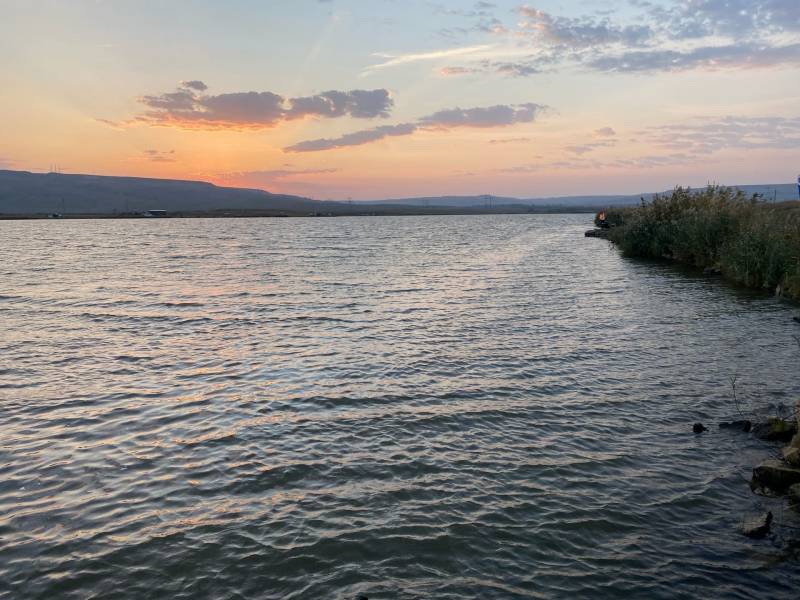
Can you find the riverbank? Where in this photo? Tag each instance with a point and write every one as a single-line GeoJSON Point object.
{"type": "Point", "coordinates": [721, 230]}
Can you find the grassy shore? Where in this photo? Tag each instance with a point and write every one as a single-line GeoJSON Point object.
{"type": "Point", "coordinates": [749, 241]}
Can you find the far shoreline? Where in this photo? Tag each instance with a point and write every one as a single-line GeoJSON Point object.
{"type": "Point", "coordinates": [243, 214]}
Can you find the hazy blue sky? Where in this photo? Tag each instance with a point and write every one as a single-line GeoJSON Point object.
{"type": "Point", "coordinates": [387, 98]}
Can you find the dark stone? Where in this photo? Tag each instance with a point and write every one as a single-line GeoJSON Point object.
{"type": "Point", "coordinates": [796, 319]}
{"type": "Point", "coordinates": [712, 271]}
{"type": "Point", "coordinates": [792, 456]}
{"type": "Point", "coordinates": [742, 425]}
{"type": "Point", "coordinates": [699, 428]}
{"type": "Point", "coordinates": [362, 597]}
{"type": "Point", "coordinates": [775, 475]}
{"type": "Point", "coordinates": [598, 233]}
{"type": "Point", "coordinates": [775, 430]}
{"type": "Point", "coordinates": [794, 495]}
{"type": "Point", "coordinates": [758, 528]}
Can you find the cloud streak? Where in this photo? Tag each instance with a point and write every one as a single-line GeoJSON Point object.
{"type": "Point", "coordinates": [703, 136]}
{"type": "Point", "coordinates": [734, 56]}
{"type": "Point", "coordinates": [394, 60]}
{"type": "Point", "coordinates": [268, 176]}
{"type": "Point", "coordinates": [357, 138]}
{"type": "Point", "coordinates": [682, 144]}
{"type": "Point", "coordinates": [162, 156]}
{"type": "Point", "coordinates": [500, 115]}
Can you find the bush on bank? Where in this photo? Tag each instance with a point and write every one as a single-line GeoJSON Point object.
{"type": "Point", "coordinates": [750, 241]}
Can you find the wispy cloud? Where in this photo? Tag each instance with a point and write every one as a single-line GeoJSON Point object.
{"type": "Point", "coordinates": [456, 71]}
{"type": "Point", "coordinates": [681, 143]}
{"type": "Point", "coordinates": [581, 149]}
{"type": "Point", "coordinates": [481, 13]}
{"type": "Point", "coordinates": [581, 32]}
{"type": "Point", "coordinates": [707, 135]}
{"type": "Point", "coordinates": [605, 137]}
{"type": "Point", "coordinates": [651, 161]}
{"type": "Point", "coordinates": [604, 132]}
{"type": "Point", "coordinates": [514, 140]}
{"type": "Point", "coordinates": [394, 60]}
{"type": "Point", "coordinates": [268, 177]}
{"type": "Point", "coordinates": [162, 156]}
{"type": "Point", "coordinates": [732, 56]}
{"type": "Point", "coordinates": [680, 35]}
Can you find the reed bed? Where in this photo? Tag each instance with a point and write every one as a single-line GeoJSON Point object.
{"type": "Point", "coordinates": [749, 241]}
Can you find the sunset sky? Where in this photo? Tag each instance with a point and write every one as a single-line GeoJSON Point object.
{"type": "Point", "coordinates": [393, 98]}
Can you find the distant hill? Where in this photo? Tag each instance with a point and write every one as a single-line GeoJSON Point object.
{"type": "Point", "coordinates": [778, 192]}
{"type": "Point", "coordinates": [24, 193]}
{"type": "Point", "coordinates": [771, 192]}
{"type": "Point", "coordinates": [488, 201]}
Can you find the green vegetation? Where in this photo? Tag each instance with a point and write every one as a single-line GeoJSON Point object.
{"type": "Point", "coordinates": [750, 241]}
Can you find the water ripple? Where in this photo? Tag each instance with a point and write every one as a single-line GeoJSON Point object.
{"type": "Point", "coordinates": [438, 407]}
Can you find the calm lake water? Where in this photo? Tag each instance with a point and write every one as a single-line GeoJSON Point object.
{"type": "Point", "coordinates": [434, 408]}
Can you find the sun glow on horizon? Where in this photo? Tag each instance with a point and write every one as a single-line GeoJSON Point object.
{"type": "Point", "coordinates": [367, 103]}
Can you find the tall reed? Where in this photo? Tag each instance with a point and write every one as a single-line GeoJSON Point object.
{"type": "Point", "coordinates": [750, 241]}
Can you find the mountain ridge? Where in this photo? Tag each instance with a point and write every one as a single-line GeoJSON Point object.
{"type": "Point", "coordinates": [23, 192]}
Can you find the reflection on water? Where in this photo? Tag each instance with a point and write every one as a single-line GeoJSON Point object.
{"type": "Point", "coordinates": [437, 407]}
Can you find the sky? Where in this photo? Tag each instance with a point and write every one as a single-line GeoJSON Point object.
{"type": "Point", "coordinates": [368, 99]}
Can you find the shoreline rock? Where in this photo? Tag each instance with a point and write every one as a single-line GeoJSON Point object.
{"type": "Point", "coordinates": [794, 495]}
{"type": "Point", "coordinates": [742, 425]}
{"type": "Point", "coordinates": [759, 527]}
{"type": "Point", "coordinates": [775, 475]}
{"type": "Point", "coordinates": [781, 476]}
{"type": "Point", "coordinates": [775, 430]}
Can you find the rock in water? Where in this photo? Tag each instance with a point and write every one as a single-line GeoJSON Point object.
{"type": "Point", "coordinates": [775, 475]}
{"type": "Point", "coordinates": [775, 430]}
{"type": "Point", "coordinates": [699, 428]}
{"type": "Point", "coordinates": [758, 528]}
{"type": "Point", "coordinates": [743, 425]}
{"type": "Point", "coordinates": [794, 495]}
{"type": "Point", "coordinates": [792, 456]}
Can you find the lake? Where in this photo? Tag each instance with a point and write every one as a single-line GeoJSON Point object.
{"type": "Point", "coordinates": [401, 407]}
